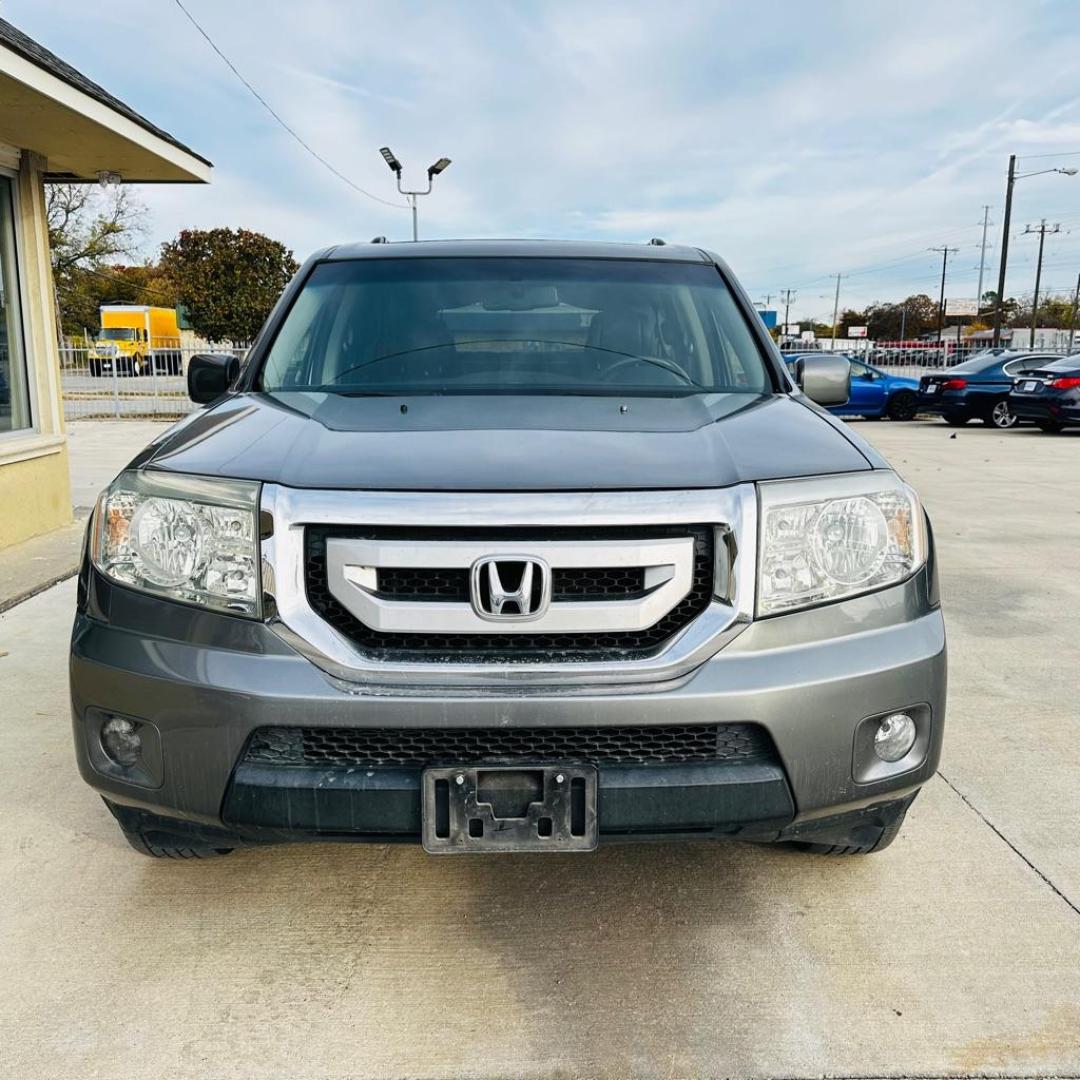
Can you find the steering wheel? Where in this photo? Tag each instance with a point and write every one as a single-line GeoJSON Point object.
{"type": "Point", "coordinates": [651, 361]}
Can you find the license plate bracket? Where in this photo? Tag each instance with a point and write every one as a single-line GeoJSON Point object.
{"type": "Point", "coordinates": [471, 808]}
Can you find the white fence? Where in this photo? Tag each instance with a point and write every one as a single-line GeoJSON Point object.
{"type": "Point", "coordinates": [110, 389]}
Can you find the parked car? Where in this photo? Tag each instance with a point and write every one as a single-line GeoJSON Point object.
{"type": "Point", "coordinates": [509, 546]}
{"type": "Point", "coordinates": [1049, 395]}
{"type": "Point", "coordinates": [978, 389]}
{"type": "Point", "coordinates": [874, 392]}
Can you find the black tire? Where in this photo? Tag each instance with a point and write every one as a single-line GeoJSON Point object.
{"type": "Point", "coordinates": [95, 369]}
{"type": "Point", "coordinates": [1001, 416]}
{"type": "Point", "coordinates": [903, 405]}
{"type": "Point", "coordinates": [1051, 427]}
{"type": "Point", "coordinates": [168, 851]}
{"type": "Point", "coordinates": [955, 419]}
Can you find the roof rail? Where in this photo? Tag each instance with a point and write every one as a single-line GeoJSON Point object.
{"type": "Point", "coordinates": [656, 241]}
{"type": "Point", "coordinates": [379, 240]}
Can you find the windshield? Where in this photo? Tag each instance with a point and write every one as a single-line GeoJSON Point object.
{"type": "Point", "coordinates": [117, 333]}
{"type": "Point", "coordinates": [511, 325]}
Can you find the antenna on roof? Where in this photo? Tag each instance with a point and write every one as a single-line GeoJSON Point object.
{"type": "Point", "coordinates": [656, 241]}
{"type": "Point", "coordinates": [379, 240]}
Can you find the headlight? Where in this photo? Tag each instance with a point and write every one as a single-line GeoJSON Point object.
{"type": "Point", "coordinates": [833, 537]}
{"type": "Point", "coordinates": [183, 537]}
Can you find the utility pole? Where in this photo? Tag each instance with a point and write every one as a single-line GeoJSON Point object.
{"type": "Point", "coordinates": [1006, 220]}
{"type": "Point", "coordinates": [1013, 177]}
{"type": "Point", "coordinates": [788, 295]}
{"type": "Point", "coordinates": [836, 310]}
{"type": "Point", "coordinates": [903, 321]}
{"type": "Point", "coordinates": [982, 260]}
{"type": "Point", "coordinates": [1042, 229]}
{"type": "Point", "coordinates": [945, 253]}
{"type": "Point", "coordinates": [1072, 321]}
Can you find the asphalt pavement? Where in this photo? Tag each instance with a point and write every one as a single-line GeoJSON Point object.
{"type": "Point", "coordinates": [955, 952]}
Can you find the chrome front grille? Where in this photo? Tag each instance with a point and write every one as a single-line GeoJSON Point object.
{"type": "Point", "coordinates": [645, 585]}
{"type": "Point", "coordinates": [658, 645]}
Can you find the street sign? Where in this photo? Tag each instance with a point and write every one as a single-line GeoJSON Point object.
{"type": "Point", "coordinates": [857, 331]}
{"type": "Point", "coordinates": [768, 318]}
{"type": "Point", "coordinates": [792, 330]}
{"type": "Point", "coordinates": [955, 306]}
{"type": "Point", "coordinates": [808, 335]}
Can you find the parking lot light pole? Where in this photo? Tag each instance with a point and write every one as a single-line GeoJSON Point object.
{"type": "Point", "coordinates": [395, 167]}
{"type": "Point", "coordinates": [999, 300]}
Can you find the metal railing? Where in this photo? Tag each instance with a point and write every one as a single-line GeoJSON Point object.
{"type": "Point", "coordinates": [98, 387]}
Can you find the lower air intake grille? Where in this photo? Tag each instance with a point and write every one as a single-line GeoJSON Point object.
{"type": "Point", "coordinates": [425, 746]}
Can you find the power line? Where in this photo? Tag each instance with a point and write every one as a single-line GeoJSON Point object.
{"type": "Point", "coordinates": [1034, 157]}
{"type": "Point", "coordinates": [266, 105]}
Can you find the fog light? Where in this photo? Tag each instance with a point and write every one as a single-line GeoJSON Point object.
{"type": "Point", "coordinates": [894, 737]}
{"type": "Point", "coordinates": [121, 741]}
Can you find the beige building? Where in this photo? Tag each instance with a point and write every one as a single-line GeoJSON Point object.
{"type": "Point", "coordinates": [55, 124]}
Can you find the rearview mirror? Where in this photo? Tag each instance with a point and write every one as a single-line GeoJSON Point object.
{"type": "Point", "coordinates": [824, 379]}
{"type": "Point", "coordinates": [209, 376]}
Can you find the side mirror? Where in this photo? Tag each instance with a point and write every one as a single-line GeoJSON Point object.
{"type": "Point", "coordinates": [209, 376]}
{"type": "Point", "coordinates": [824, 379]}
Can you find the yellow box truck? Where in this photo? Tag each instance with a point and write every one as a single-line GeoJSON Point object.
{"type": "Point", "coordinates": [136, 340]}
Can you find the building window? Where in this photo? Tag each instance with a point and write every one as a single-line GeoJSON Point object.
{"type": "Point", "coordinates": [14, 398]}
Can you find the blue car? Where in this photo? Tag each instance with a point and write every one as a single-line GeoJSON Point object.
{"type": "Point", "coordinates": [874, 393]}
{"type": "Point", "coordinates": [978, 389]}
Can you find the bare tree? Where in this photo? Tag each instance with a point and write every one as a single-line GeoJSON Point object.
{"type": "Point", "coordinates": [87, 228]}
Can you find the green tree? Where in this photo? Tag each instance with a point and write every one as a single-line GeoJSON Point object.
{"type": "Point", "coordinates": [228, 279]}
{"type": "Point", "coordinates": [1054, 311]}
{"type": "Point", "coordinates": [912, 317]}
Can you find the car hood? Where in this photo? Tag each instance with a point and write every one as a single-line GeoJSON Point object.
{"type": "Point", "coordinates": [508, 443]}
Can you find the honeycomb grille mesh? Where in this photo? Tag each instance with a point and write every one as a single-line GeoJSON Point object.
{"type": "Point", "coordinates": [431, 585]}
{"type": "Point", "coordinates": [666, 744]}
{"type": "Point", "coordinates": [496, 647]}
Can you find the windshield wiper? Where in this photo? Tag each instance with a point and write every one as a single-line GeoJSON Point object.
{"type": "Point", "coordinates": [664, 365]}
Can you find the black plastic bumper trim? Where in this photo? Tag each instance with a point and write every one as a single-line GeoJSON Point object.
{"type": "Point", "coordinates": [311, 802]}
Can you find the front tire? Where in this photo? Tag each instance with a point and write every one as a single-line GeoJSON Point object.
{"type": "Point", "coordinates": [170, 851]}
{"type": "Point", "coordinates": [1051, 427]}
{"type": "Point", "coordinates": [903, 406]}
{"type": "Point", "coordinates": [1001, 416]}
{"type": "Point", "coordinates": [955, 419]}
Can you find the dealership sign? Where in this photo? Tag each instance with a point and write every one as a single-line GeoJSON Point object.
{"type": "Point", "coordinates": [954, 306]}
{"type": "Point", "coordinates": [857, 331]}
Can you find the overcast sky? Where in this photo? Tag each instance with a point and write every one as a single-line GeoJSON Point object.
{"type": "Point", "coordinates": [795, 139]}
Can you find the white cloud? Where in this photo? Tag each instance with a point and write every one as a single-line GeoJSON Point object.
{"type": "Point", "coordinates": [797, 140]}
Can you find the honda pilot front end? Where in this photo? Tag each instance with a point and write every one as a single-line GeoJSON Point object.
{"type": "Point", "coordinates": [498, 546]}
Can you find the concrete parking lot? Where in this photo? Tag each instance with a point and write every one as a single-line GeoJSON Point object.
{"type": "Point", "coordinates": [955, 952]}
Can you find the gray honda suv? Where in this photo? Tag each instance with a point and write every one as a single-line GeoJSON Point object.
{"type": "Point", "coordinates": [509, 546]}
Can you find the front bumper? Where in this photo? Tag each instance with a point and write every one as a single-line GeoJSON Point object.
{"type": "Point", "coordinates": [205, 682]}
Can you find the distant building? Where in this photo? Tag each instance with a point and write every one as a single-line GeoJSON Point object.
{"type": "Point", "coordinates": [1046, 337]}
